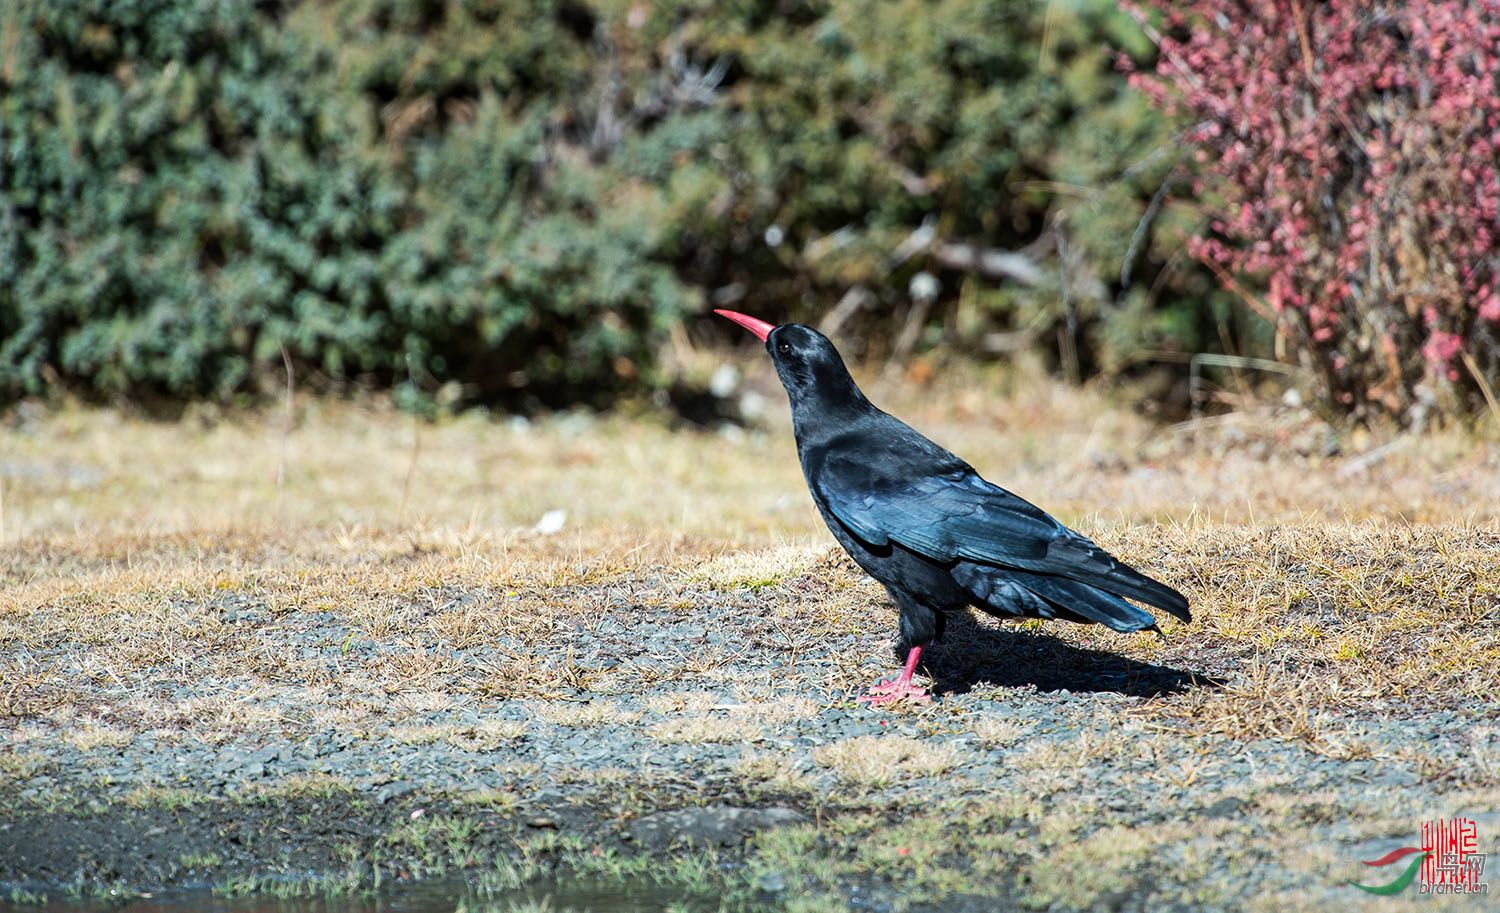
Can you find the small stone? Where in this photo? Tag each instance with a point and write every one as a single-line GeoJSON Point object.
{"type": "Point", "coordinates": [394, 790]}
{"type": "Point", "coordinates": [720, 825]}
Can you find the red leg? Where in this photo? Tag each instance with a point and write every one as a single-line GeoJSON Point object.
{"type": "Point", "coordinates": [901, 687]}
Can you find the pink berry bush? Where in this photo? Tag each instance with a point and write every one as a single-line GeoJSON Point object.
{"type": "Point", "coordinates": [1349, 165]}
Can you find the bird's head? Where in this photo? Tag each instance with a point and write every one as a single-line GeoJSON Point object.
{"type": "Point", "coordinates": [809, 366]}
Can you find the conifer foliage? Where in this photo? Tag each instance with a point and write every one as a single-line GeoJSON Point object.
{"type": "Point", "coordinates": [516, 201]}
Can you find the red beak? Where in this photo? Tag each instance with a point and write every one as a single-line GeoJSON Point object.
{"type": "Point", "coordinates": [760, 328]}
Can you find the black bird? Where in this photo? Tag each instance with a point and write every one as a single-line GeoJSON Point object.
{"type": "Point", "coordinates": [923, 523]}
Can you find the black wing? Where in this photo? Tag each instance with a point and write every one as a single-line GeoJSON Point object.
{"type": "Point", "coordinates": [955, 515]}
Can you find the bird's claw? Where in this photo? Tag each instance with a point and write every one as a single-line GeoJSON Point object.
{"type": "Point", "coordinates": [896, 689]}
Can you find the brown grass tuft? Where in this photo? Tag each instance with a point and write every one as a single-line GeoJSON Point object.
{"type": "Point", "coordinates": [875, 761]}
{"type": "Point", "coordinates": [584, 715]}
{"type": "Point", "coordinates": [695, 730]}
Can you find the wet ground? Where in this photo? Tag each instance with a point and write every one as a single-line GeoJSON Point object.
{"type": "Point", "coordinates": [639, 895]}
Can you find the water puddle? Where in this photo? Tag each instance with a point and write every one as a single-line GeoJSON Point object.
{"type": "Point", "coordinates": [570, 896]}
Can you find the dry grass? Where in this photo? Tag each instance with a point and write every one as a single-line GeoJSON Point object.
{"type": "Point", "coordinates": [774, 710]}
{"type": "Point", "coordinates": [875, 761]}
{"type": "Point", "coordinates": [674, 702]}
{"type": "Point", "coordinates": [423, 735]}
{"type": "Point", "coordinates": [774, 771]}
{"type": "Point", "coordinates": [699, 730]}
{"type": "Point", "coordinates": [1322, 583]}
{"type": "Point", "coordinates": [20, 766]}
{"type": "Point", "coordinates": [993, 733]}
{"type": "Point", "coordinates": [155, 579]}
{"type": "Point", "coordinates": [585, 715]}
{"type": "Point", "coordinates": [93, 736]}
{"type": "Point", "coordinates": [758, 567]}
{"type": "Point", "coordinates": [489, 735]}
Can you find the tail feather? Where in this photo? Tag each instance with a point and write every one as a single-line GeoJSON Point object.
{"type": "Point", "coordinates": [1078, 558]}
{"type": "Point", "coordinates": [1127, 581]}
{"type": "Point", "coordinates": [1090, 602]}
{"type": "Point", "coordinates": [1031, 595]}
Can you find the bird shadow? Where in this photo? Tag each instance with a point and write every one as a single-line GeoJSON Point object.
{"type": "Point", "coordinates": [972, 654]}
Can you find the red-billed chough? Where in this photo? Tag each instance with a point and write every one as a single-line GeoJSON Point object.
{"type": "Point", "coordinates": [923, 523]}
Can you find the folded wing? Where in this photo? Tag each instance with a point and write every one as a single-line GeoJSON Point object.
{"type": "Point", "coordinates": [954, 515]}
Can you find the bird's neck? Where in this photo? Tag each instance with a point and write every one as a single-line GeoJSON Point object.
{"type": "Point", "coordinates": [829, 409]}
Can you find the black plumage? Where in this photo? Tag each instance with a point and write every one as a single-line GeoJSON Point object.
{"type": "Point", "coordinates": [927, 526]}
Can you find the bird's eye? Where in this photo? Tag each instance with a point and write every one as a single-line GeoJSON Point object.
{"type": "Point", "coordinates": [785, 347]}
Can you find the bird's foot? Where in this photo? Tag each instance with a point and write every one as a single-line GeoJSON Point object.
{"type": "Point", "coordinates": [900, 688]}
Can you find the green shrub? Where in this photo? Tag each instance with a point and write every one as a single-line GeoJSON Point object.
{"type": "Point", "coordinates": [188, 192]}
{"type": "Point", "coordinates": [516, 201]}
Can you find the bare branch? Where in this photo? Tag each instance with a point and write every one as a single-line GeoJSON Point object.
{"type": "Point", "coordinates": [991, 262]}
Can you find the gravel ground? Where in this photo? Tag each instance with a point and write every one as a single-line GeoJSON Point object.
{"type": "Point", "coordinates": [315, 653]}
{"type": "Point", "coordinates": [675, 712]}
